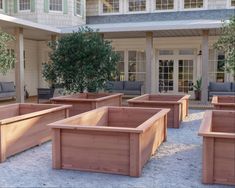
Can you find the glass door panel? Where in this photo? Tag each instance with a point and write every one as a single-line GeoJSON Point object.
{"type": "Point", "coordinates": [166, 75]}
{"type": "Point", "coordinates": [185, 76]}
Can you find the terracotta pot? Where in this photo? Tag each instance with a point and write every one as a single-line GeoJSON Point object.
{"type": "Point", "coordinates": [197, 95]}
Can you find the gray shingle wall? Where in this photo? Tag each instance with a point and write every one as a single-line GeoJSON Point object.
{"type": "Point", "coordinates": [166, 16]}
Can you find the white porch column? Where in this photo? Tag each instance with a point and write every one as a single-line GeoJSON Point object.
{"type": "Point", "coordinates": [205, 65]}
{"type": "Point", "coordinates": [19, 68]}
{"type": "Point", "coordinates": [149, 61]}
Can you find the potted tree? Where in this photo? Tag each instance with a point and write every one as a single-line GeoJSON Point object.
{"type": "Point", "coordinates": [197, 89]}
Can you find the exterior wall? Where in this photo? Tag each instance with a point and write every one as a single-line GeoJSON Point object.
{"type": "Point", "coordinates": [93, 6]}
{"type": "Point", "coordinates": [57, 19]}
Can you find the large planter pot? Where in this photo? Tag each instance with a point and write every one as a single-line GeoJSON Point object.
{"type": "Point", "coordinates": [218, 131]}
{"type": "Point", "coordinates": [117, 140]}
{"type": "Point", "coordinates": [23, 126]}
{"type": "Point", "coordinates": [224, 102]}
{"type": "Point", "coordinates": [178, 105]}
{"type": "Point", "coordinates": [197, 95]}
{"type": "Point", "coordinates": [84, 102]}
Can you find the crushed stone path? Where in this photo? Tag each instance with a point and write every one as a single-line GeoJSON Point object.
{"type": "Point", "coordinates": [177, 164]}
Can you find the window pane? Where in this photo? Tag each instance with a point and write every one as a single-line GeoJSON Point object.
{"type": "Point", "coordinates": [166, 72]}
{"type": "Point", "coordinates": [24, 4]}
{"type": "Point", "coordinates": [164, 4]}
{"type": "Point", "coordinates": [1, 5]}
{"type": "Point", "coordinates": [78, 7]}
{"type": "Point", "coordinates": [137, 5]}
{"type": "Point", "coordinates": [193, 4]}
{"type": "Point", "coordinates": [110, 6]}
{"type": "Point", "coordinates": [232, 3]}
{"type": "Point", "coordinates": [55, 5]}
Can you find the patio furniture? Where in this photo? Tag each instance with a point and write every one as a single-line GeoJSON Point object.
{"type": "Point", "coordinates": [220, 89]}
{"type": "Point", "coordinates": [7, 90]}
{"type": "Point", "coordinates": [125, 87]}
{"type": "Point", "coordinates": [45, 94]}
{"type": "Point", "coordinates": [117, 140]}
{"type": "Point", "coordinates": [23, 126]}
{"type": "Point", "coordinates": [218, 131]}
{"type": "Point", "coordinates": [178, 105]}
{"type": "Point", "coordinates": [84, 102]}
{"type": "Point", "coordinates": [224, 102]}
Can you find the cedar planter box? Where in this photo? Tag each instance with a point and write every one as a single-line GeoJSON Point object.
{"type": "Point", "coordinates": [84, 102]}
{"type": "Point", "coordinates": [117, 140]}
{"type": "Point", "coordinates": [218, 131]}
{"type": "Point", "coordinates": [178, 105]}
{"type": "Point", "coordinates": [23, 126]}
{"type": "Point", "coordinates": [224, 102]}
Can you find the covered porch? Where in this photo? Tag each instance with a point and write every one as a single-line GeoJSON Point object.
{"type": "Point", "coordinates": [29, 48]}
{"type": "Point", "coordinates": [168, 56]}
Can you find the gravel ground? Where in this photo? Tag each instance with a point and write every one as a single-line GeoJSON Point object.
{"type": "Point", "coordinates": [177, 164]}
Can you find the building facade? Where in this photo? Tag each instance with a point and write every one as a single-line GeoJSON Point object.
{"type": "Point", "coordinates": [167, 44]}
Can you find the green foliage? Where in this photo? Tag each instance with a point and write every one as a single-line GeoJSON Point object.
{"type": "Point", "coordinates": [48, 72]}
{"type": "Point", "coordinates": [83, 60]}
{"type": "Point", "coordinates": [198, 85]}
{"type": "Point", "coordinates": [226, 43]}
{"type": "Point", "coordinates": [7, 59]}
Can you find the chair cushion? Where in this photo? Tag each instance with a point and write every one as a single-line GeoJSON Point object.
{"type": "Point", "coordinates": [233, 86]}
{"type": "Point", "coordinates": [8, 86]}
{"type": "Point", "coordinates": [226, 86]}
{"type": "Point", "coordinates": [116, 85]}
{"type": "Point", "coordinates": [211, 94]}
{"type": "Point", "coordinates": [132, 85]}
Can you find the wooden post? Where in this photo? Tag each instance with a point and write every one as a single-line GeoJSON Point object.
{"type": "Point", "coordinates": [135, 160]}
{"type": "Point", "coordinates": [149, 61]}
{"type": "Point", "coordinates": [56, 149]}
{"type": "Point", "coordinates": [2, 145]}
{"type": "Point", "coordinates": [205, 65]}
{"type": "Point", "coordinates": [19, 68]}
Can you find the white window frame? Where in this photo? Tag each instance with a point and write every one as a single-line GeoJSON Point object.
{"type": "Point", "coordinates": [137, 12]}
{"type": "Point", "coordinates": [56, 11]}
{"type": "Point", "coordinates": [81, 7]}
{"type": "Point", "coordinates": [28, 10]}
{"type": "Point", "coordinates": [205, 5]}
{"type": "Point", "coordinates": [230, 4]}
{"type": "Point", "coordinates": [110, 13]}
{"type": "Point", "coordinates": [1, 9]}
{"type": "Point", "coordinates": [165, 10]}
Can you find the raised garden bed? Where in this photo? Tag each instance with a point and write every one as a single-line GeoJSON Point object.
{"type": "Point", "coordinates": [84, 102]}
{"type": "Point", "coordinates": [117, 140]}
{"type": "Point", "coordinates": [224, 102]}
{"type": "Point", "coordinates": [23, 126]}
{"type": "Point", "coordinates": [178, 105]}
{"type": "Point", "coordinates": [218, 131]}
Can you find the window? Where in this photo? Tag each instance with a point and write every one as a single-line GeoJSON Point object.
{"type": "Point", "coordinates": [110, 6]}
{"type": "Point", "coordinates": [1, 4]}
{"type": "Point", "coordinates": [55, 5]}
{"type": "Point", "coordinates": [166, 75]}
{"type": "Point", "coordinates": [78, 7]}
{"type": "Point", "coordinates": [164, 4]}
{"type": "Point", "coordinates": [24, 4]}
{"type": "Point", "coordinates": [137, 5]}
{"type": "Point", "coordinates": [232, 3]}
{"type": "Point", "coordinates": [120, 67]}
{"type": "Point", "coordinates": [193, 4]}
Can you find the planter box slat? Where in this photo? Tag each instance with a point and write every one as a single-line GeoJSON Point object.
{"type": "Point", "coordinates": [218, 131]}
{"type": "Point", "coordinates": [84, 102]}
{"type": "Point", "coordinates": [22, 132]}
{"type": "Point", "coordinates": [224, 102]}
{"type": "Point", "coordinates": [178, 105]}
{"type": "Point", "coordinates": [93, 141]}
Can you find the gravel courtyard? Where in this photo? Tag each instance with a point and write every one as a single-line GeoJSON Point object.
{"type": "Point", "coordinates": [177, 164]}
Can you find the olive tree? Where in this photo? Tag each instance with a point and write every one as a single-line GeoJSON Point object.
{"type": "Point", "coordinates": [82, 61]}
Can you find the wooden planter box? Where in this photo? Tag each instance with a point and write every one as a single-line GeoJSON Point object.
{"type": "Point", "coordinates": [178, 105]}
{"type": "Point", "coordinates": [117, 140]}
{"type": "Point", "coordinates": [84, 102]}
{"type": "Point", "coordinates": [218, 131]}
{"type": "Point", "coordinates": [224, 102]}
{"type": "Point", "coordinates": [23, 126]}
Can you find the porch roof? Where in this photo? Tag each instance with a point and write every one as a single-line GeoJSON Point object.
{"type": "Point", "coordinates": [159, 26]}
{"type": "Point", "coordinates": [32, 30]}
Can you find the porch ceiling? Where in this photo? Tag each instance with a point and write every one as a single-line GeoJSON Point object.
{"type": "Point", "coordinates": [33, 31]}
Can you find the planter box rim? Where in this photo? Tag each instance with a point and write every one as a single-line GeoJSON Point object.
{"type": "Point", "coordinates": [55, 107]}
{"type": "Point", "coordinates": [215, 101]}
{"type": "Point", "coordinates": [69, 98]}
{"type": "Point", "coordinates": [64, 124]}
